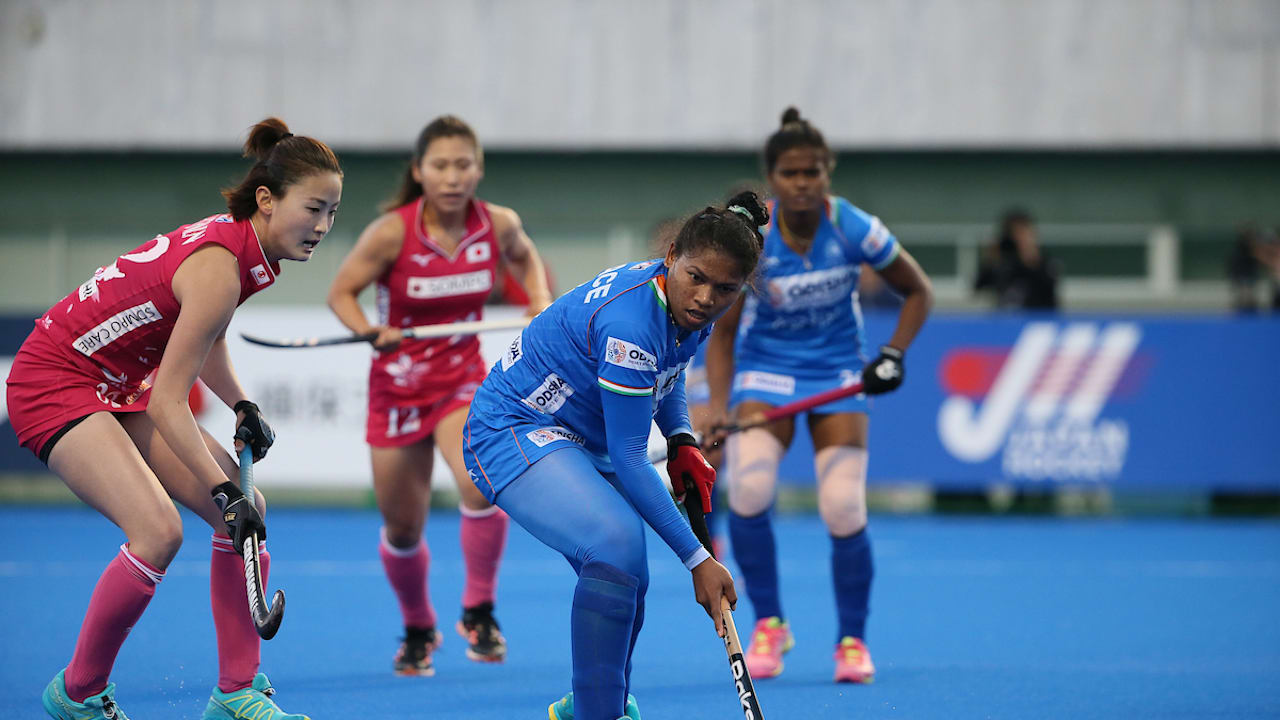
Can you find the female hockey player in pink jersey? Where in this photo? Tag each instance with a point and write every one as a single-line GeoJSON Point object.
{"type": "Point", "coordinates": [433, 256]}
{"type": "Point", "coordinates": [99, 392]}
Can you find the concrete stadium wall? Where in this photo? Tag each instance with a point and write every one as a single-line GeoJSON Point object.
{"type": "Point", "coordinates": [64, 214]}
{"type": "Point", "coordinates": [654, 74]}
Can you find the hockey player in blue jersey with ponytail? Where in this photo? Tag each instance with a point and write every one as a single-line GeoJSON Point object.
{"type": "Point", "coordinates": [558, 435]}
{"type": "Point", "coordinates": [799, 333]}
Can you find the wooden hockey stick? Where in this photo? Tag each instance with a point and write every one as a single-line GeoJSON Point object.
{"type": "Point", "coordinates": [732, 645]}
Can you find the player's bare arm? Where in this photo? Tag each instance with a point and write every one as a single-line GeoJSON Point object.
{"type": "Point", "coordinates": [207, 286]}
{"type": "Point", "coordinates": [720, 373]}
{"type": "Point", "coordinates": [520, 255]}
{"type": "Point", "coordinates": [906, 277]}
{"type": "Point", "coordinates": [374, 252]}
{"type": "Point", "coordinates": [219, 374]}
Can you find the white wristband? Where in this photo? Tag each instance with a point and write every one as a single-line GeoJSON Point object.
{"type": "Point", "coordinates": [696, 559]}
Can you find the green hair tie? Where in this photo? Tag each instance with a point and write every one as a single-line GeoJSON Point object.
{"type": "Point", "coordinates": [745, 213]}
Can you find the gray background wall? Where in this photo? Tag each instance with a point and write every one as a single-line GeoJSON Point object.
{"type": "Point", "coordinates": [658, 73]}
{"type": "Point", "coordinates": [1141, 133]}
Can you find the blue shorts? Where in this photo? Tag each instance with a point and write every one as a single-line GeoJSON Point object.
{"type": "Point", "coordinates": [495, 456]}
{"type": "Point", "coordinates": [775, 386]}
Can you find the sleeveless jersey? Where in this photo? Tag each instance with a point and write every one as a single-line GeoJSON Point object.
{"type": "Point", "coordinates": [427, 286]}
{"type": "Point", "coordinates": [803, 316]}
{"type": "Point", "coordinates": [610, 334]}
{"type": "Point", "coordinates": [116, 325]}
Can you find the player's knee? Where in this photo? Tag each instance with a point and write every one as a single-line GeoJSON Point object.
{"type": "Point", "coordinates": [402, 533]}
{"type": "Point", "coordinates": [470, 497]}
{"type": "Point", "coordinates": [158, 540]}
{"type": "Point", "coordinates": [843, 515]}
{"type": "Point", "coordinates": [842, 489]}
{"type": "Point", "coordinates": [619, 545]}
{"type": "Point", "coordinates": [751, 467]}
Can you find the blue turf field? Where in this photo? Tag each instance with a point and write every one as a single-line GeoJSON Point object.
{"type": "Point", "coordinates": [972, 617]}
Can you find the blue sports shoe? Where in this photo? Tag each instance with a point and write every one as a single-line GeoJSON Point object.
{"type": "Point", "coordinates": [562, 709]}
{"type": "Point", "coordinates": [95, 707]}
{"type": "Point", "coordinates": [251, 703]}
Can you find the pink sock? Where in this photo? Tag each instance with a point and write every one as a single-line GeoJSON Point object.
{"type": "Point", "coordinates": [407, 570]}
{"type": "Point", "coordinates": [122, 593]}
{"type": "Point", "coordinates": [238, 641]}
{"type": "Point", "coordinates": [484, 536]}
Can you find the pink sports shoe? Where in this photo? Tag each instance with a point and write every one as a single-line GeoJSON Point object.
{"type": "Point", "coordinates": [771, 638]}
{"type": "Point", "coordinates": [853, 662]}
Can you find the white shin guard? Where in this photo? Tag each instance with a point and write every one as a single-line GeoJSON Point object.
{"type": "Point", "coordinates": [751, 462]}
{"type": "Point", "coordinates": [842, 488]}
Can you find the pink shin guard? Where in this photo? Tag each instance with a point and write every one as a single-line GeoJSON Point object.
{"type": "Point", "coordinates": [238, 641]}
{"type": "Point", "coordinates": [484, 537]}
{"type": "Point", "coordinates": [121, 595]}
{"type": "Point", "coordinates": [407, 570]}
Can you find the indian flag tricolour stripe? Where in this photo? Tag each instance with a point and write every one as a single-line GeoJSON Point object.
{"type": "Point", "coordinates": [659, 292]}
{"type": "Point", "coordinates": [624, 389]}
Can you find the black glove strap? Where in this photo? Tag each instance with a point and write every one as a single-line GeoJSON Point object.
{"type": "Point", "coordinates": [229, 491]}
{"type": "Point", "coordinates": [680, 440]}
{"type": "Point", "coordinates": [246, 406]}
{"type": "Point", "coordinates": [892, 352]}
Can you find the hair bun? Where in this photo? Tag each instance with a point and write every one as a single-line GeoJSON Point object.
{"type": "Point", "coordinates": [790, 115]}
{"type": "Point", "coordinates": [264, 136]}
{"type": "Point", "coordinates": [751, 204]}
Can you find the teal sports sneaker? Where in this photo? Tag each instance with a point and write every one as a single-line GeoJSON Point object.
{"type": "Point", "coordinates": [251, 703]}
{"type": "Point", "coordinates": [95, 707]}
{"type": "Point", "coordinates": [562, 709]}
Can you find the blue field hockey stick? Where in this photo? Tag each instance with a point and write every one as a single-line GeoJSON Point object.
{"type": "Point", "coordinates": [265, 619]}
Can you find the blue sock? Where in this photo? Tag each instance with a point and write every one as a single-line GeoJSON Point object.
{"type": "Point", "coordinates": [603, 619]}
{"type": "Point", "coordinates": [852, 569]}
{"type": "Point", "coordinates": [635, 633]}
{"type": "Point", "coordinates": [757, 555]}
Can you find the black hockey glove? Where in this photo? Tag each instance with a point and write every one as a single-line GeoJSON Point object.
{"type": "Point", "coordinates": [884, 373]}
{"type": "Point", "coordinates": [239, 513]}
{"type": "Point", "coordinates": [253, 429]}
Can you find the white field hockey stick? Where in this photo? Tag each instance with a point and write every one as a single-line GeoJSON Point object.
{"type": "Point", "coordinates": [411, 333]}
{"type": "Point", "coordinates": [265, 619]}
{"type": "Point", "coordinates": [732, 645]}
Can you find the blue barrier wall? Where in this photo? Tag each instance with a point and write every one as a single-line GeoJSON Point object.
{"type": "Point", "coordinates": [1132, 401]}
{"type": "Point", "coordinates": [1135, 401]}
{"type": "Point", "coordinates": [13, 330]}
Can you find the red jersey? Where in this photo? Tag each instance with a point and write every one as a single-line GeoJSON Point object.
{"type": "Point", "coordinates": [414, 386]}
{"type": "Point", "coordinates": [427, 286]}
{"type": "Point", "coordinates": [116, 325]}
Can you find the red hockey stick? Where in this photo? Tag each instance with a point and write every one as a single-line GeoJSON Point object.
{"type": "Point", "coordinates": [791, 408]}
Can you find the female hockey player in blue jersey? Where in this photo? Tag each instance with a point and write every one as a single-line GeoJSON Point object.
{"type": "Point", "coordinates": [558, 436]}
{"type": "Point", "coordinates": [798, 333]}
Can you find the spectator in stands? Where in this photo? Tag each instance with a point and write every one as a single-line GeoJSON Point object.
{"type": "Point", "coordinates": [1255, 253]}
{"type": "Point", "coordinates": [1020, 273]}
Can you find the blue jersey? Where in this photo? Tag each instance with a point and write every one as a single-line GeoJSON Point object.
{"type": "Point", "coordinates": [611, 334]}
{"type": "Point", "coordinates": [593, 372]}
{"type": "Point", "coordinates": [803, 318]}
